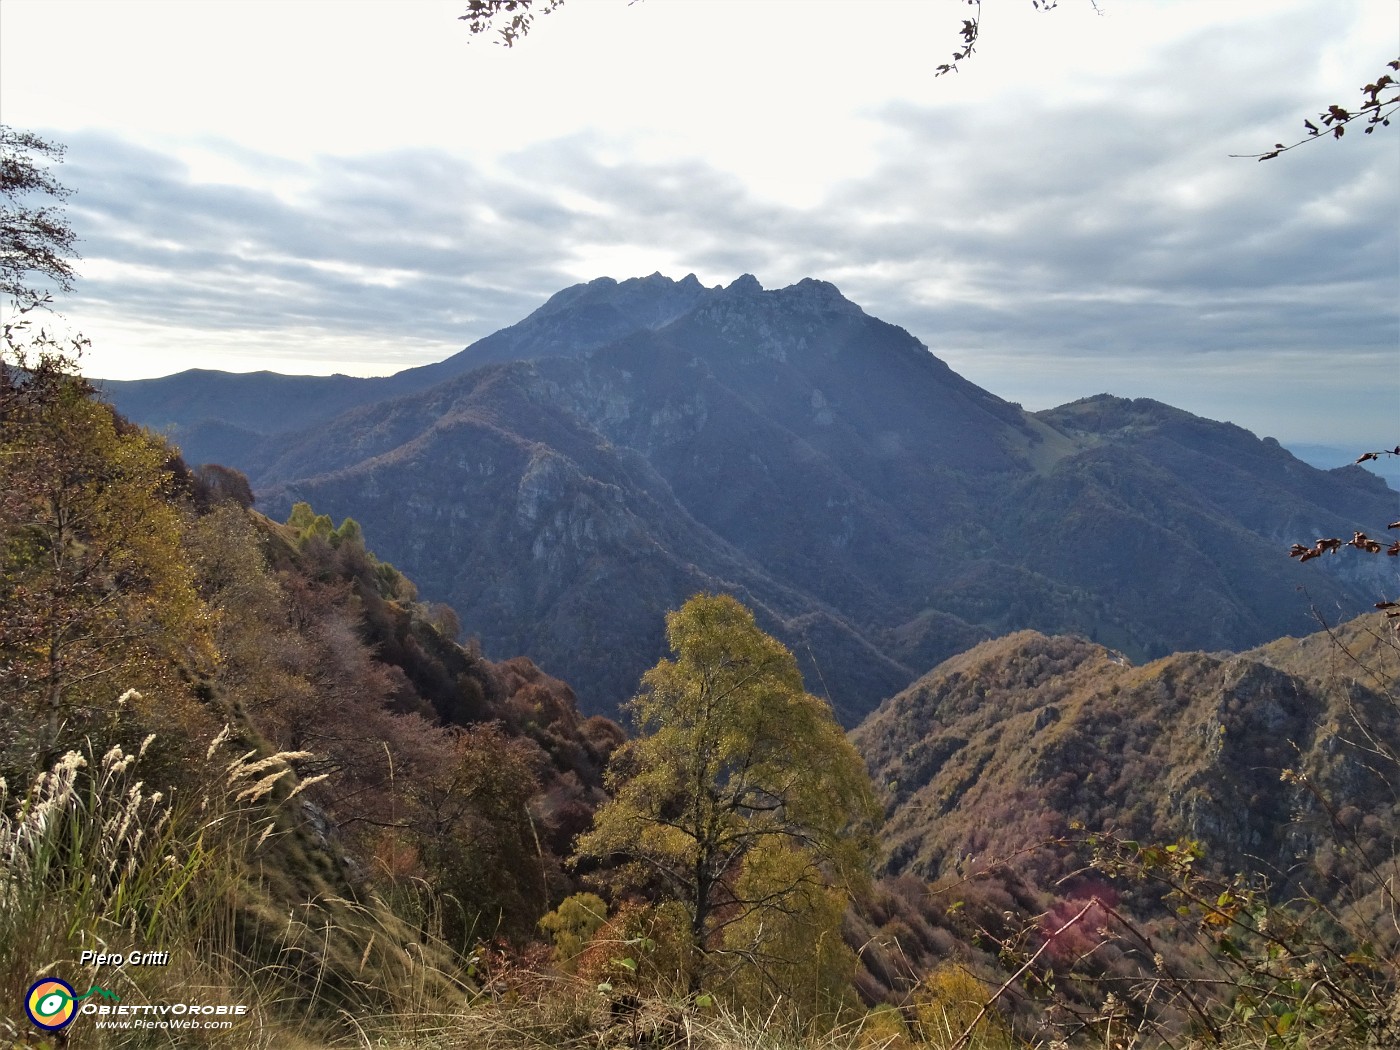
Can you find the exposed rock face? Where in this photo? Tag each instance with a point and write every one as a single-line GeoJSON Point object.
{"type": "Point", "coordinates": [879, 511]}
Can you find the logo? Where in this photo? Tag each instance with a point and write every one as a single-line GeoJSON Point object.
{"type": "Point", "coordinates": [51, 1003]}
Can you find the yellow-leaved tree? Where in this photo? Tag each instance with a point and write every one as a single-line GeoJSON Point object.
{"type": "Point", "coordinates": [96, 596]}
{"type": "Point", "coordinates": [743, 801]}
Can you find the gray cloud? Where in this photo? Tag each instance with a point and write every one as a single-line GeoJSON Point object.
{"type": "Point", "coordinates": [1110, 237]}
{"type": "Point", "coordinates": [389, 244]}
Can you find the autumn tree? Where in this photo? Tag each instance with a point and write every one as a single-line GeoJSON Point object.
{"type": "Point", "coordinates": [473, 828]}
{"type": "Point", "coordinates": [216, 484]}
{"type": "Point", "coordinates": [35, 238]}
{"type": "Point", "coordinates": [96, 596]}
{"type": "Point", "coordinates": [742, 800]}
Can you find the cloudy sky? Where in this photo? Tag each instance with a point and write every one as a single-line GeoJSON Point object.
{"type": "Point", "coordinates": [361, 186]}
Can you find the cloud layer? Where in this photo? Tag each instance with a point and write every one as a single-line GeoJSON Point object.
{"type": "Point", "coordinates": [1047, 244]}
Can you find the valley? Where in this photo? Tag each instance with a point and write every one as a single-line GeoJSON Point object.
{"type": "Point", "coordinates": [566, 480]}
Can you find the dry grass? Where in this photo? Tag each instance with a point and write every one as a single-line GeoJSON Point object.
{"type": "Point", "coordinates": [91, 859]}
{"type": "Point", "coordinates": [567, 1014]}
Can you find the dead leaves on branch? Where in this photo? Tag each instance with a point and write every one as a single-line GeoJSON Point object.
{"type": "Point", "coordinates": [972, 28]}
{"type": "Point", "coordinates": [1366, 456]}
{"type": "Point", "coordinates": [1379, 101]}
{"type": "Point", "coordinates": [1360, 541]}
{"type": "Point", "coordinates": [511, 19]}
{"type": "Point", "coordinates": [1331, 544]}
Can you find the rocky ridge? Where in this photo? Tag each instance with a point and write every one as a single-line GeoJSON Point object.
{"type": "Point", "coordinates": [1011, 743]}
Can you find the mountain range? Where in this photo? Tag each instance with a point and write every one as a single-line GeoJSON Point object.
{"type": "Point", "coordinates": [565, 481]}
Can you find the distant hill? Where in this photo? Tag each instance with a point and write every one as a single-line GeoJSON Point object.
{"type": "Point", "coordinates": [1003, 746]}
{"type": "Point", "coordinates": [565, 481]}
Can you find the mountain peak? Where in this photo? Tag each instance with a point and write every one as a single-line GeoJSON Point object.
{"type": "Point", "coordinates": [1105, 413]}
{"type": "Point", "coordinates": [808, 295]}
{"type": "Point", "coordinates": [822, 295]}
{"type": "Point", "coordinates": [657, 279]}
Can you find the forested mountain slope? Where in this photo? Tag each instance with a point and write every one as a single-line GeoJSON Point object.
{"type": "Point", "coordinates": [1010, 743]}
{"type": "Point", "coordinates": [879, 511]}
